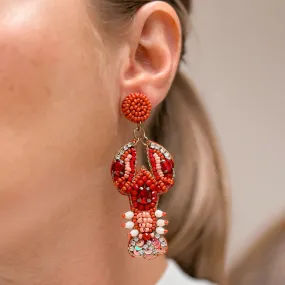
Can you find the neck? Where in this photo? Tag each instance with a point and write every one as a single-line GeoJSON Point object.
{"type": "Point", "coordinates": [76, 240]}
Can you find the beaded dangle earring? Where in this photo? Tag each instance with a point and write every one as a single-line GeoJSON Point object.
{"type": "Point", "coordinates": [143, 187]}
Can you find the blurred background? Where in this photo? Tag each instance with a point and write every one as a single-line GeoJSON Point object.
{"type": "Point", "coordinates": [236, 57]}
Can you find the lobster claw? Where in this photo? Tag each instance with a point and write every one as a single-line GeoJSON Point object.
{"type": "Point", "coordinates": [123, 168]}
{"type": "Point", "coordinates": [161, 164]}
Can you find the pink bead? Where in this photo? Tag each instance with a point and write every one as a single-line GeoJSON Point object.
{"type": "Point", "coordinates": [139, 215]}
{"type": "Point", "coordinates": [143, 214]}
{"type": "Point", "coordinates": [147, 225]}
{"type": "Point", "coordinates": [127, 160]}
{"type": "Point", "coordinates": [142, 230]}
{"type": "Point", "coordinates": [149, 220]}
{"type": "Point", "coordinates": [129, 156]}
{"type": "Point", "coordinates": [140, 220]}
{"type": "Point", "coordinates": [128, 169]}
{"type": "Point", "coordinates": [152, 235]}
{"type": "Point", "coordinates": [147, 230]}
{"type": "Point", "coordinates": [141, 236]}
{"type": "Point", "coordinates": [126, 176]}
{"type": "Point", "coordinates": [143, 225]}
{"type": "Point", "coordinates": [145, 220]}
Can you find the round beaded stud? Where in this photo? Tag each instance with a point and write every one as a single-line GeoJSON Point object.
{"type": "Point", "coordinates": [136, 107]}
{"type": "Point", "coordinates": [142, 186]}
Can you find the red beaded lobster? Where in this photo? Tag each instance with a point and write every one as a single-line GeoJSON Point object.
{"type": "Point", "coordinates": [143, 187]}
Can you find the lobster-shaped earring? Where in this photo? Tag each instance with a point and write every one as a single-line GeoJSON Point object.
{"type": "Point", "coordinates": [143, 187]}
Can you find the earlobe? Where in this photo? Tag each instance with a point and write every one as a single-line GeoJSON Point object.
{"type": "Point", "coordinates": [154, 47]}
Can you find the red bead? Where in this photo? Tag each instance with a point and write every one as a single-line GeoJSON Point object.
{"type": "Point", "coordinates": [143, 193]}
{"type": "Point", "coordinates": [154, 199]}
{"type": "Point", "coordinates": [134, 193]}
{"type": "Point", "coordinates": [135, 204]}
{"type": "Point", "coordinates": [134, 198]}
{"type": "Point", "coordinates": [144, 201]}
{"type": "Point", "coordinates": [144, 178]}
{"type": "Point", "coordinates": [117, 166]}
{"type": "Point", "coordinates": [167, 166]}
{"type": "Point", "coordinates": [148, 183]}
{"type": "Point", "coordinates": [141, 207]}
{"type": "Point", "coordinates": [146, 236]}
{"type": "Point", "coordinates": [140, 182]}
{"type": "Point", "coordinates": [152, 187]}
{"type": "Point", "coordinates": [136, 187]}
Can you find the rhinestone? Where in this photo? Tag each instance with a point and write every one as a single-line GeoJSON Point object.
{"type": "Point", "coordinates": [149, 242]}
{"type": "Point", "coordinates": [161, 239]}
{"type": "Point", "coordinates": [147, 188]}
{"type": "Point", "coordinates": [118, 157]}
{"type": "Point", "coordinates": [141, 188]}
{"type": "Point", "coordinates": [139, 200]}
{"type": "Point", "coordinates": [152, 145]}
{"type": "Point", "coordinates": [163, 150]}
{"type": "Point", "coordinates": [157, 235]}
{"type": "Point", "coordinates": [156, 147]}
{"type": "Point", "coordinates": [145, 247]}
{"type": "Point", "coordinates": [130, 144]}
{"type": "Point", "coordinates": [141, 252]}
{"type": "Point", "coordinates": [163, 244]}
{"type": "Point", "coordinates": [126, 147]}
{"type": "Point", "coordinates": [136, 239]}
{"type": "Point", "coordinates": [131, 248]}
{"type": "Point", "coordinates": [121, 152]}
{"type": "Point", "coordinates": [148, 200]}
{"type": "Point", "coordinates": [133, 243]}
{"type": "Point", "coordinates": [154, 252]}
{"type": "Point", "coordinates": [137, 248]}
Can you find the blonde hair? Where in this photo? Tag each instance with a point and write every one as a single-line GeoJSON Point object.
{"type": "Point", "coordinates": [197, 206]}
{"type": "Point", "coordinates": [264, 261]}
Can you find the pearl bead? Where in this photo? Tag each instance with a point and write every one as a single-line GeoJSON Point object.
{"type": "Point", "coordinates": [160, 230]}
{"type": "Point", "coordinates": [129, 225]}
{"type": "Point", "coordinates": [160, 223]}
{"type": "Point", "coordinates": [134, 233]}
{"type": "Point", "coordinates": [128, 215]}
{"type": "Point", "coordinates": [159, 213]}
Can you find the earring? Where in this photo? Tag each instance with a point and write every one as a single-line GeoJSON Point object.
{"type": "Point", "coordinates": [143, 187]}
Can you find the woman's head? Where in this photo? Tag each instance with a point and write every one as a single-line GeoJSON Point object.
{"type": "Point", "coordinates": [65, 66]}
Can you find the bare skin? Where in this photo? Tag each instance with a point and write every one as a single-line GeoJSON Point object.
{"type": "Point", "coordinates": [61, 85]}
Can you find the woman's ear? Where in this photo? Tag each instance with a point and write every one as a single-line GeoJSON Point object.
{"type": "Point", "coordinates": [152, 52]}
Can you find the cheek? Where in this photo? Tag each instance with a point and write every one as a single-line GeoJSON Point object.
{"type": "Point", "coordinates": [54, 106]}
